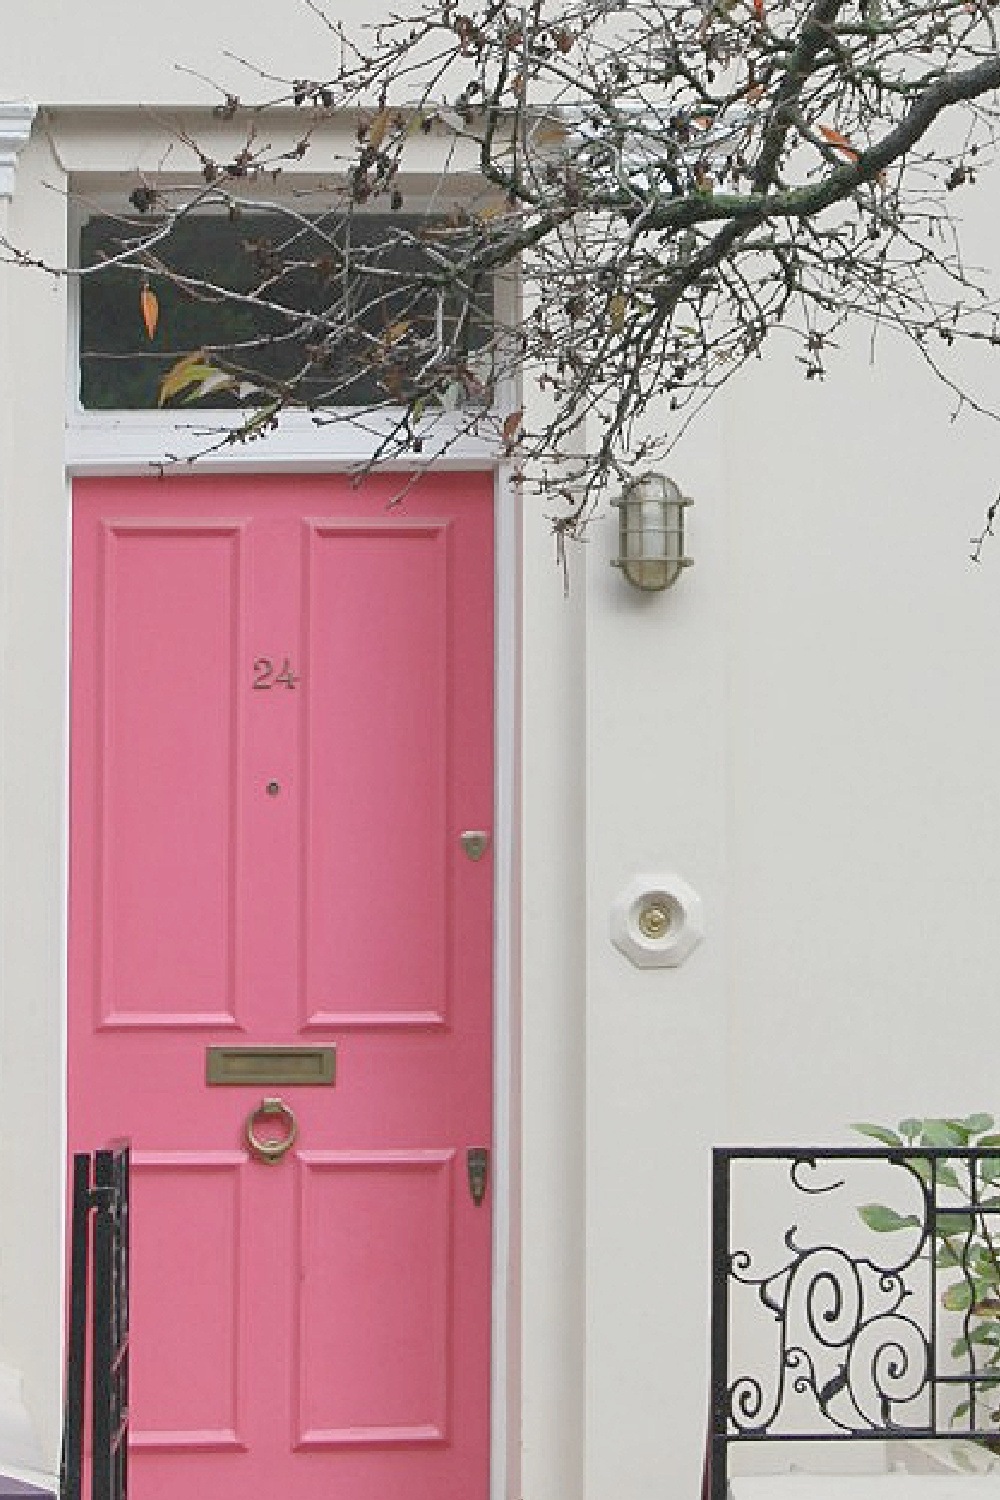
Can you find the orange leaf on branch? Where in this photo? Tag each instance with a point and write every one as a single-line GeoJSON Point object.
{"type": "Point", "coordinates": [149, 306]}
{"type": "Point", "coordinates": [839, 142]}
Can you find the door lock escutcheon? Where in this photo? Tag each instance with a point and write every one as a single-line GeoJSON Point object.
{"type": "Point", "coordinates": [475, 842]}
{"type": "Point", "coordinates": [478, 1163]}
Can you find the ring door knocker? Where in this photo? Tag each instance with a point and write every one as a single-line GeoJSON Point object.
{"type": "Point", "coordinates": [271, 1150]}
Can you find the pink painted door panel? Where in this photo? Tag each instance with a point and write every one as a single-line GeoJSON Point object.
{"type": "Point", "coordinates": [281, 726]}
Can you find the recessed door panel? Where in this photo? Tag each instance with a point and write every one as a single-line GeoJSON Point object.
{"type": "Point", "coordinates": [282, 725]}
{"type": "Point", "coordinates": [380, 654]}
{"type": "Point", "coordinates": [377, 1369]}
{"type": "Point", "coordinates": [169, 615]}
{"type": "Point", "coordinates": [192, 1212]}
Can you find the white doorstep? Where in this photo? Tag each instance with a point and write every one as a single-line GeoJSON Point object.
{"type": "Point", "coordinates": [866, 1487]}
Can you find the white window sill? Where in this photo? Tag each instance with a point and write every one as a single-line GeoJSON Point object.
{"type": "Point", "coordinates": [137, 442]}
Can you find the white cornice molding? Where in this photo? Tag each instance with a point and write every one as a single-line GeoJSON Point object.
{"type": "Point", "coordinates": [16, 119]}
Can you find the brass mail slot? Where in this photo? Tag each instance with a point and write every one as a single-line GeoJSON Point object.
{"type": "Point", "coordinates": [271, 1065]}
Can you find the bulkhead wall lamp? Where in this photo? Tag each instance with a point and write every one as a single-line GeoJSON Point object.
{"type": "Point", "coordinates": [651, 532]}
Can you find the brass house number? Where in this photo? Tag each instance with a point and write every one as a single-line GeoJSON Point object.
{"type": "Point", "coordinates": [265, 676]}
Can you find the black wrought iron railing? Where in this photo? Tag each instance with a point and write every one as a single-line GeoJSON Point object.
{"type": "Point", "coordinates": [98, 1318]}
{"type": "Point", "coordinates": [855, 1297]}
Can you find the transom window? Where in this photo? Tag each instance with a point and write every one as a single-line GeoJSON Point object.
{"type": "Point", "coordinates": [274, 268]}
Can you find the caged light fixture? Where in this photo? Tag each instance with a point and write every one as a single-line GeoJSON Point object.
{"type": "Point", "coordinates": [651, 532]}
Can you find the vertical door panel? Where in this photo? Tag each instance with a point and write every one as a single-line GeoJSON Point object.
{"type": "Point", "coordinates": [378, 658]}
{"type": "Point", "coordinates": [169, 623]}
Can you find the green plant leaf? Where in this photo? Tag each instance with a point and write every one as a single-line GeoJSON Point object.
{"type": "Point", "coordinates": [883, 1219]}
{"type": "Point", "coordinates": [952, 1224]}
{"type": "Point", "coordinates": [947, 1176]}
{"type": "Point", "coordinates": [957, 1297]}
{"type": "Point", "coordinates": [943, 1133]}
{"type": "Point", "coordinates": [977, 1124]}
{"type": "Point", "coordinates": [983, 1265]}
{"type": "Point", "coordinates": [878, 1133]}
{"type": "Point", "coordinates": [910, 1128]}
{"type": "Point", "coordinates": [946, 1257]}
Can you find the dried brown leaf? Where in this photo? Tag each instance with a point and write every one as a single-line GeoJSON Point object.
{"type": "Point", "coordinates": [511, 424]}
{"type": "Point", "coordinates": [378, 128]}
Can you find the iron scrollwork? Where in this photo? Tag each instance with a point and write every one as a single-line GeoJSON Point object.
{"type": "Point", "coordinates": [826, 1327]}
{"type": "Point", "coordinates": [861, 1340]}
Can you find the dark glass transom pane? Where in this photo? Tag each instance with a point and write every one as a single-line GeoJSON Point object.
{"type": "Point", "coordinates": [273, 266]}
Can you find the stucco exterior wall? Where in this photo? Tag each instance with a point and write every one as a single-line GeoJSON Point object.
{"type": "Point", "coordinates": [805, 730]}
{"type": "Point", "coordinates": [34, 592]}
{"type": "Point", "coordinates": [864, 856]}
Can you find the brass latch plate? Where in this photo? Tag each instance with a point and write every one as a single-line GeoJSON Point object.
{"type": "Point", "coordinates": [263, 1066]}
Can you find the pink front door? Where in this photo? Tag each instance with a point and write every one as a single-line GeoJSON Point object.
{"type": "Point", "coordinates": [281, 729]}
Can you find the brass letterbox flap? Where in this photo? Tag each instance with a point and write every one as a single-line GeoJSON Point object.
{"type": "Point", "coordinates": [261, 1066]}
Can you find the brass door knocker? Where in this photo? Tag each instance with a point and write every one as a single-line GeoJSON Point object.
{"type": "Point", "coordinates": [271, 1150]}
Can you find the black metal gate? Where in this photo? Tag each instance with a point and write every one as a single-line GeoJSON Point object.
{"type": "Point", "coordinates": [836, 1318]}
{"type": "Point", "coordinates": [98, 1307]}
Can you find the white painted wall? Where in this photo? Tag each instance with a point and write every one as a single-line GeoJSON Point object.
{"type": "Point", "coordinates": [111, 52]}
{"type": "Point", "coordinates": [32, 803]}
{"type": "Point", "coordinates": [656, 801]}
{"type": "Point", "coordinates": [865, 858]}
{"type": "Point", "coordinates": [805, 730]}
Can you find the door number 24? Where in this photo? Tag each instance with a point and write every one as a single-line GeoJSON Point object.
{"type": "Point", "coordinates": [265, 676]}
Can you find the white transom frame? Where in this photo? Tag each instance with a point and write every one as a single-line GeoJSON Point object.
{"type": "Point", "coordinates": [92, 151]}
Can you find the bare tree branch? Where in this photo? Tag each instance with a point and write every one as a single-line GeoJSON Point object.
{"type": "Point", "coordinates": [669, 185]}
